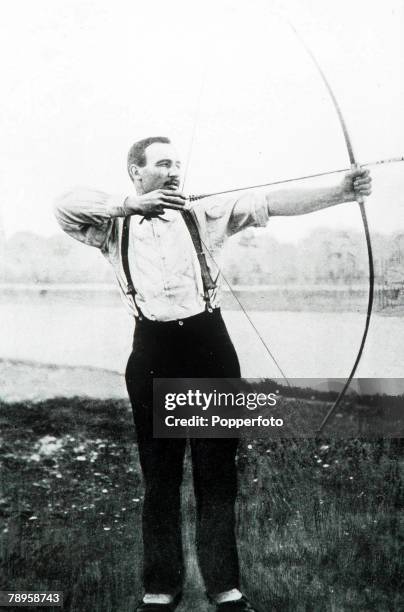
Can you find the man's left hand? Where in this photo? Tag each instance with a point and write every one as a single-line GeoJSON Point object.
{"type": "Point", "coordinates": [356, 183]}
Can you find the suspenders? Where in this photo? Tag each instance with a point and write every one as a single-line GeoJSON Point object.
{"type": "Point", "coordinates": [190, 222]}
{"type": "Point", "coordinates": [130, 287]}
{"type": "Point", "coordinates": [207, 282]}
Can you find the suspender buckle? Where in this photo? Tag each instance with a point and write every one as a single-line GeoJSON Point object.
{"type": "Point", "coordinates": [130, 290]}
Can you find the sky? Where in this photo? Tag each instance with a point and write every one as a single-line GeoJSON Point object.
{"type": "Point", "coordinates": [228, 81]}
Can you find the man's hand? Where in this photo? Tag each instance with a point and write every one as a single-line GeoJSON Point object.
{"type": "Point", "coordinates": [152, 204]}
{"type": "Point", "coordinates": [356, 183]}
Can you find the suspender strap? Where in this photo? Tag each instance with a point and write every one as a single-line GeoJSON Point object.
{"type": "Point", "coordinates": [130, 287]}
{"type": "Point", "coordinates": [208, 283]}
{"type": "Point", "coordinates": [190, 221]}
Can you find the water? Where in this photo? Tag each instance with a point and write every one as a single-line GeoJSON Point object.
{"type": "Point", "coordinates": [94, 332]}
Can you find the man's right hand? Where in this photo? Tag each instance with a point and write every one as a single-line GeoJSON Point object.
{"type": "Point", "coordinates": [153, 203]}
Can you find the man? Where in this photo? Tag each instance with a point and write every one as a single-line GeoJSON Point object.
{"type": "Point", "coordinates": [164, 254]}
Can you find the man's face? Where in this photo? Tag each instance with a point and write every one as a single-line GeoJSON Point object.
{"type": "Point", "coordinates": [162, 169]}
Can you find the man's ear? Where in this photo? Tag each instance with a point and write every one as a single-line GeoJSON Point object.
{"type": "Point", "coordinates": [133, 171]}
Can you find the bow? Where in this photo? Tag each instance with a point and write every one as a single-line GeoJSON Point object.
{"type": "Point", "coordinates": [361, 204]}
{"type": "Point", "coordinates": [360, 201]}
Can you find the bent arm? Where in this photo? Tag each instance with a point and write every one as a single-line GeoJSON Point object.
{"type": "Point", "coordinates": [87, 215]}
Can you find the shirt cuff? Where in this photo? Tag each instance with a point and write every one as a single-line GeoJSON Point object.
{"type": "Point", "coordinates": [115, 205]}
{"type": "Point", "coordinates": [262, 212]}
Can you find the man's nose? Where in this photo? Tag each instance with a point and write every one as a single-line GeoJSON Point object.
{"type": "Point", "coordinates": [174, 171]}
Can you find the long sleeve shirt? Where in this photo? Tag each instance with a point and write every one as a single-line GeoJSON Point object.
{"type": "Point", "coordinates": [163, 263]}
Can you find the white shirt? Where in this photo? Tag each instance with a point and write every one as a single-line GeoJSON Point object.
{"type": "Point", "coordinates": [162, 258]}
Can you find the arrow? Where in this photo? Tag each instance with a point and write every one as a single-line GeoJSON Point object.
{"type": "Point", "coordinates": [390, 160]}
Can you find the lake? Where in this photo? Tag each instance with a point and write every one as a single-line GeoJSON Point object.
{"type": "Point", "coordinates": [93, 331]}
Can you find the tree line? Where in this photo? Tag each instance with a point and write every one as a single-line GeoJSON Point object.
{"type": "Point", "coordinates": [253, 257]}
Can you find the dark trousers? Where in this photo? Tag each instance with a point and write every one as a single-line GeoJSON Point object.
{"type": "Point", "coordinates": [200, 347]}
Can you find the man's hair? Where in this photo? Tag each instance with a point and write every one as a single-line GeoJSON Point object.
{"type": "Point", "coordinates": [137, 153]}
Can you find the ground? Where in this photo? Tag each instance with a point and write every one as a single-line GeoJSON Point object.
{"type": "Point", "coordinates": [318, 520]}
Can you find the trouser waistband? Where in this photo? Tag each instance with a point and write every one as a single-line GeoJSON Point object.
{"type": "Point", "coordinates": [186, 323]}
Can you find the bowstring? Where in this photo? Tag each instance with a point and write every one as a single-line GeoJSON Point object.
{"type": "Point", "coordinates": [194, 126]}
{"type": "Point", "coordinates": [185, 175]}
{"type": "Point", "coordinates": [247, 315]}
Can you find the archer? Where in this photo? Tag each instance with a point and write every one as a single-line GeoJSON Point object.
{"type": "Point", "coordinates": [164, 253]}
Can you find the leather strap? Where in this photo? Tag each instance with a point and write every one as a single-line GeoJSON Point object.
{"type": "Point", "coordinates": [207, 281]}
{"type": "Point", "coordinates": [130, 287]}
{"type": "Point", "coordinates": [190, 222]}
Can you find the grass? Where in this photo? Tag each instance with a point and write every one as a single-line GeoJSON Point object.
{"type": "Point", "coordinates": [318, 522]}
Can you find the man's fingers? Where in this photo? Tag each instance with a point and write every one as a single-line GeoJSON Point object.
{"type": "Point", "coordinates": [361, 181]}
{"type": "Point", "coordinates": [360, 172]}
{"type": "Point", "coordinates": [357, 186]}
{"type": "Point", "coordinates": [358, 182]}
{"type": "Point", "coordinates": [362, 186]}
{"type": "Point", "coordinates": [171, 193]}
{"type": "Point", "coordinates": [174, 206]}
{"type": "Point", "coordinates": [172, 199]}
{"type": "Point", "coordinates": [175, 201]}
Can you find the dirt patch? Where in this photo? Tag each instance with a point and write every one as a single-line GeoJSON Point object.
{"type": "Point", "coordinates": [21, 380]}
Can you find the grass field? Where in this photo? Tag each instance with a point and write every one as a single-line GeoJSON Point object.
{"type": "Point", "coordinates": [318, 522]}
